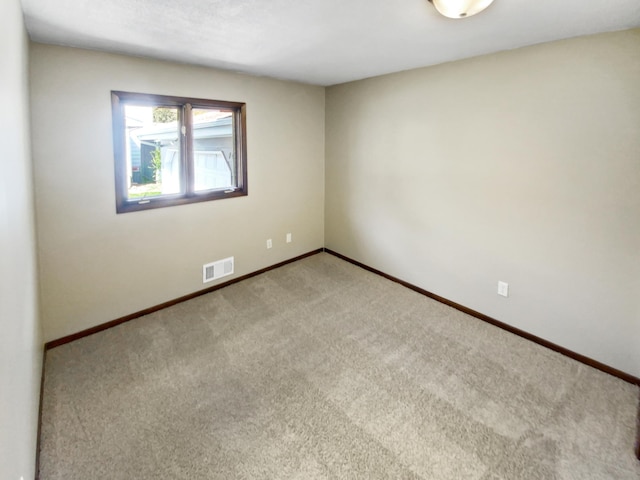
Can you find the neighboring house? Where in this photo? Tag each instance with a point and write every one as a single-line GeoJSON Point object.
{"type": "Point", "coordinates": [213, 153]}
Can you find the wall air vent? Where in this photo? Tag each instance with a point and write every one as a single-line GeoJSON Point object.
{"type": "Point", "coordinates": [215, 270]}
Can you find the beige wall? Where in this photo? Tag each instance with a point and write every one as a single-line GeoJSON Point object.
{"type": "Point", "coordinates": [20, 340]}
{"type": "Point", "coordinates": [96, 265]}
{"type": "Point", "coordinates": [523, 166]}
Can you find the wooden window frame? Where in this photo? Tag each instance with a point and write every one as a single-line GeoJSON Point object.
{"type": "Point", "coordinates": [188, 194]}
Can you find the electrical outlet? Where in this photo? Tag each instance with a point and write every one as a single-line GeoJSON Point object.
{"type": "Point", "coordinates": [288, 238]}
{"type": "Point", "coordinates": [503, 289]}
{"type": "Point", "coordinates": [269, 243]}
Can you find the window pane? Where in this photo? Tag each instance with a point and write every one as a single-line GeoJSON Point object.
{"type": "Point", "coordinates": [155, 167]}
{"type": "Point", "coordinates": [213, 149]}
{"type": "Point", "coordinates": [152, 151]}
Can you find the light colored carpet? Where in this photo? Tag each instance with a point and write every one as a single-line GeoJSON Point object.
{"type": "Point", "coordinates": [318, 370]}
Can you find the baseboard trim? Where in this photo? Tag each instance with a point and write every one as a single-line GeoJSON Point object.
{"type": "Point", "coordinates": [39, 431]}
{"type": "Point", "coordinates": [170, 303]}
{"type": "Point", "coordinates": [638, 433]}
{"type": "Point", "coordinates": [481, 316]}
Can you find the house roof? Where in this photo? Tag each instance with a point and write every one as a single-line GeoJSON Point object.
{"type": "Point", "coordinates": [168, 131]}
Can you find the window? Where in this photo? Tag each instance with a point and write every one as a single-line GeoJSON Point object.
{"type": "Point", "coordinates": [172, 150]}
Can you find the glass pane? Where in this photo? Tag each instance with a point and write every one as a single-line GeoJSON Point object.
{"type": "Point", "coordinates": [213, 149]}
{"type": "Point", "coordinates": [153, 151]}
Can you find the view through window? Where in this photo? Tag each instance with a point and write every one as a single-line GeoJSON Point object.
{"type": "Point", "coordinates": [173, 150]}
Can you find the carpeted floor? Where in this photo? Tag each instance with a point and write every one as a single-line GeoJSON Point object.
{"type": "Point", "coordinates": [320, 369]}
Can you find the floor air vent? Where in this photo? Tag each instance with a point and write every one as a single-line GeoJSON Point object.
{"type": "Point", "coordinates": [215, 270]}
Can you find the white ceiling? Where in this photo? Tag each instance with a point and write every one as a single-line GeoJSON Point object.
{"type": "Point", "coordinates": [322, 42]}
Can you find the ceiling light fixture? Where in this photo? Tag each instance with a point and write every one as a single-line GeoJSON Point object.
{"type": "Point", "coordinates": [460, 8]}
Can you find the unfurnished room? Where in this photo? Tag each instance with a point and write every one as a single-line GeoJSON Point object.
{"type": "Point", "coordinates": [320, 239]}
